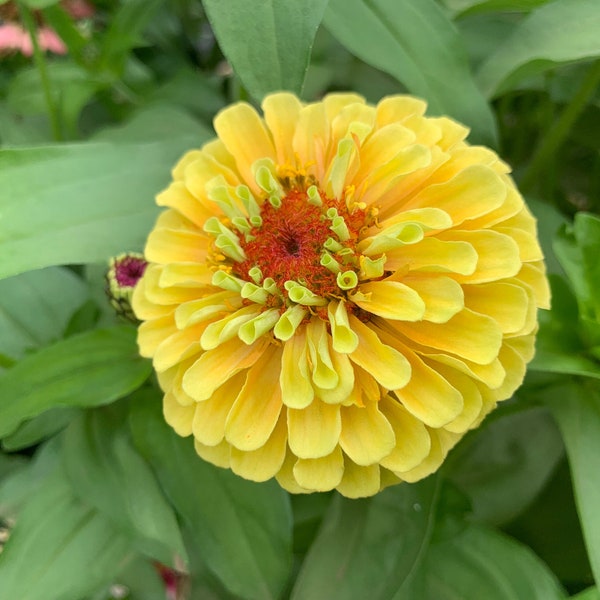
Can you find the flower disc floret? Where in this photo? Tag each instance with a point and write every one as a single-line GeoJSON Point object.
{"type": "Point", "coordinates": [337, 292]}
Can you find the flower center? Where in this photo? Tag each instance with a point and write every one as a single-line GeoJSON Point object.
{"type": "Point", "coordinates": [296, 248]}
{"type": "Point", "coordinates": [289, 245]}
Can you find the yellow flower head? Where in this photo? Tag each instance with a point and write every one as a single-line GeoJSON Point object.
{"type": "Point", "coordinates": [337, 292]}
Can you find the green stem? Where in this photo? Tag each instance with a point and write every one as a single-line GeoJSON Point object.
{"type": "Point", "coordinates": [557, 134]}
{"type": "Point", "coordinates": [40, 63]}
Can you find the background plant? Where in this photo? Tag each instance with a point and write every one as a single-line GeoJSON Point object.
{"type": "Point", "coordinates": [95, 490]}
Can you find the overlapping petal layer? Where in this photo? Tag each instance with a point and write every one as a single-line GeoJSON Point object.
{"type": "Point", "coordinates": [338, 292]}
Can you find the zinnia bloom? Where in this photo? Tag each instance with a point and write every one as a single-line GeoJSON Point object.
{"type": "Point", "coordinates": [337, 292]}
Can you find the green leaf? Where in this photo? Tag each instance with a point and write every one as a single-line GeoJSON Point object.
{"type": "Point", "coordinates": [268, 43]}
{"type": "Point", "coordinates": [468, 7]}
{"type": "Point", "coordinates": [481, 563]}
{"type": "Point", "coordinates": [108, 473]}
{"type": "Point", "coordinates": [89, 369]}
{"type": "Point", "coordinates": [39, 428]}
{"type": "Point", "coordinates": [560, 348]}
{"type": "Point", "coordinates": [59, 549]}
{"type": "Point", "coordinates": [142, 580]}
{"type": "Point", "coordinates": [370, 548]}
{"type": "Point", "coordinates": [559, 32]}
{"type": "Point", "coordinates": [507, 464]}
{"type": "Point", "coordinates": [242, 529]}
{"type": "Point", "coordinates": [82, 202]}
{"type": "Point", "coordinates": [35, 308]}
{"type": "Point", "coordinates": [576, 408]}
{"type": "Point", "coordinates": [592, 593]}
{"type": "Point", "coordinates": [416, 43]}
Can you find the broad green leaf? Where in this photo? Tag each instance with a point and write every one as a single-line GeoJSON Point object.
{"type": "Point", "coordinates": [242, 529]}
{"type": "Point", "coordinates": [556, 33]}
{"type": "Point", "coordinates": [39, 428]}
{"type": "Point", "coordinates": [89, 369]}
{"type": "Point", "coordinates": [576, 408]}
{"type": "Point", "coordinates": [416, 43]}
{"type": "Point", "coordinates": [59, 549]}
{"type": "Point", "coordinates": [26, 480]}
{"type": "Point", "coordinates": [468, 7]}
{"type": "Point", "coordinates": [35, 308]}
{"type": "Point", "coordinates": [369, 548]}
{"type": "Point", "coordinates": [507, 464]}
{"type": "Point", "coordinates": [82, 202]}
{"type": "Point", "coordinates": [481, 563]}
{"type": "Point", "coordinates": [592, 593]}
{"type": "Point", "coordinates": [268, 43]}
{"type": "Point", "coordinates": [142, 580]}
{"type": "Point", "coordinates": [108, 473]}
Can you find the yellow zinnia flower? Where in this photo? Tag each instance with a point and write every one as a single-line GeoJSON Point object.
{"type": "Point", "coordinates": [337, 292]}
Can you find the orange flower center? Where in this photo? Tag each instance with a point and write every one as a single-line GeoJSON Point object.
{"type": "Point", "coordinates": [293, 238]}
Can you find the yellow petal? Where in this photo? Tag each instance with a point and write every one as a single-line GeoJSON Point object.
{"type": "Point", "coordinates": [266, 461]}
{"type": "Point", "coordinates": [381, 147]}
{"type": "Point", "coordinates": [386, 364]}
{"type": "Point", "coordinates": [428, 396]}
{"type": "Point", "coordinates": [255, 411]}
{"type": "Point", "coordinates": [367, 435]}
{"type": "Point", "coordinates": [202, 172]}
{"type": "Point", "coordinates": [344, 339]}
{"type": "Point", "coordinates": [246, 138]}
{"type": "Point", "coordinates": [170, 245]}
{"type": "Point", "coordinates": [534, 275]}
{"type": "Point", "coordinates": [217, 455]}
{"type": "Point", "coordinates": [472, 400]}
{"type": "Point", "coordinates": [413, 442]}
{"type": "Point", "coordinates": [152, 333]}
{"type": "Point", "coordinates": [506, 303]}
{"type": "Point", "coordinates": [178, 197]}
{"type": "Point", "coordinates": [471, 193]}
{"type": "Point", "coordinates": [514, 365]}
{"type": "Point", "coordinates": [165, 295]}
{"type": "Point", "coordinates": [390, 300]}
{"type": "Point", "coordinates": [314, 431]}
{"type": "Point", "coordinates": [491, 374]}
{"type": "Point", "coordinates": [296, 388]}
{"type": "Point", "coordinates": [395, 109]}
{"type": "Point", "coordinates": [345, 384]}
{"type": "Point", "coordinates": [433, 255]}
{"type": "Point", "coordinates": [185, 275]}
{"type": "Point", "coordinates": [334, 103]}
{"type": "Point", "coordinates": [188, 158]}
{"type": "Point", "coordinates": [286, 478]}
{"type": "Point", "coordinates": [143, 308]}
{"type": "Point", "coordinates": [443, 297]}
{"type": "Point", "coordinates": [323, 374]}
{"type": "Point", "coordinates": [311, 140]}
{"type": "Point", "coordinates": [216, 366]}
{"type": "Point", "coordinates": [177, 347]}
{"type": "Point", "coordinates": [498, 254]}
{"type": "Point", "coordinates": [207, 308]}
{"type": "Point", "coordinates": [430, 464]}
{"type": "Point", "coordinates": [281, 115]}
{"type": "Point", "coordinates": [359, 482]}
{"type": "Point", "coordinates": [178, 417]}
{"type": "Point", "coordinates": [210, 416]}
{"type": "Point", "coordinates": [393, 174]}
{"type": "Point", "coordinates": [468, 335]}
{"type": "Point", "coordinates": [320, 474]}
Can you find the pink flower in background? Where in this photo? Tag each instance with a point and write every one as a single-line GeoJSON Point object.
{"type": "Point", "coordinates": [14, 38]}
